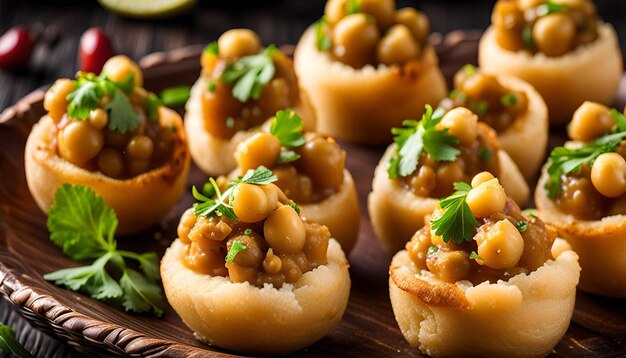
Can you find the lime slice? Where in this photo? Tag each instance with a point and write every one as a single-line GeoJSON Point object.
{"type": "Point", "coordinates": [148, 8]}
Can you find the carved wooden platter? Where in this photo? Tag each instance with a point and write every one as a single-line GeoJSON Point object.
{"type": "Point", "coordinates": [368, 327]}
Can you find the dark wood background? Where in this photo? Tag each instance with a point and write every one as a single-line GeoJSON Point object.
{"type": "Point", "coordinates": [62, 22]}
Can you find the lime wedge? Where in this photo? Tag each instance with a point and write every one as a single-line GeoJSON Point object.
{"type": "Point", "coordinates": [148, 8]}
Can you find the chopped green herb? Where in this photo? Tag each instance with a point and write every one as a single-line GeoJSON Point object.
{"type": "Point", "coordinates": [550, 7]}
{"type": "Point", "coordinates": [250, 74]}
{"type": "Point", "coordinates": [153, 104]}
{"type": "Point", "coordinates": [530, 212]}
{"type": "Point", "coordinates": [620, 120]}
{"type": "Point", "coordinates": [527, 37]}
{"type": "Point", "coordinates": [470, 69]}
{"type": "Point", "coordinates": [288, 156]}
{"type": "Point", "coordinates": [230, 122]}
{"type": "Point", "coordinates": [10, 344]}
{"type": "Point", "coordinates": [83, 226]}
{"type": "Point", "coordinates": [235, 248]}
{"type": "Point", "coordinates": [212, 48]}
{"type": "Point", "coordinates": [508, 99]}
{"type": "Point", "coordinates": [417, 137]}
{"type": "Point", "coordinates": [457, 223]}
{"type": "Point", "coordinates": [474, 256]}
{"type": "Point", "coordinates": [353, 7]}
{"type": "Point", "coordinates": [294, 206]}
{"type": "Point", "coordinates": [485, 154]}
{"type": "Point", "coordinates": [522, 225]}
{"type": "Point", "coordinates": [479, 107]}
{"type": "Point", "coordinates": [211, 85]}
{"type": "Point", "coordinates": [432, 250]}
{"type": "Point", "coordinates": [247, 232]}
{"type": "Point", "coordinates": [122, 116]}
{"type": "Point", "coordinates": [287, 127]}
{"type": "Point", "coordinates": [175, 96]}
{"type": "Point", "coordinates": [322, 35]}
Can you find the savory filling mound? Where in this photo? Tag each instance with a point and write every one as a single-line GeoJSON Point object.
{"type": "Point", "coordinates": [480, 235]}
{"type": "Point", "coordinates": [109, 123]}
{"type": "Point", "coordinates": [309, 167]}
{"type": "Point", "coordinates": [552, 27]}
{"type": "Point", "coordinates": [587, 177]}
{"type": "Point", "coordinates": [245, 83]}
{"type": "Point", "coordinates": [251, 232]}
{"type": "Point", "coordinates": [371, 32]}
{"type": "Point", "coordinates": [441, 149]}
{"type": "Point", "coordinates": [494, 104]}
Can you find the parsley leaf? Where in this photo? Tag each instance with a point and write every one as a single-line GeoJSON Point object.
{"type": "Point", "coordinates": [235, 248]}
{"type": "Point", "coordinates": [474, 256]}
{"type": "Point", "coordinates": [522, 225]}
{"type": "Point", "coordinates": [122, 116]}
{"type": "Point", "coordinates": [457, 223]}
{"type": "Point", "coordinates": [288, 156]}
{"type": "Point", "coordinates": [152, 107]}
{"type": "Point", "coordinates": [294, 206]}
{"type": "Point", "coordinates": [620, 119]}
{"type": "Point", "coordinates": [530, 212]}
{"type": "Point", "coordinates": [250, 74]}
{"type": "Point", "coordinates": [258, 176]}
{"type": "Point", "coordinates": [322, 35]}
{"type": "Point", "coordinates": [83, 100]}
{"type": "Point", "coordinates": [10, 344]}
{"type": "Point", "coordinates": [287, 127]}
{"type": "Point", "coordinates": [212, 48]}
{"type": "Point", "coordinates": [415, 138]}
{"type": "Point", "coordinates": [175, 96]}
{"type": "Point", "coordinates": [141, 294]}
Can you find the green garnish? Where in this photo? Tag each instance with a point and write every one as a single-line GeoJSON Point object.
{"type": "Point", "coordinates": [432, 250]}
{"type": "Point", "coordinates": [550, 7]}
{"type": "Point", "coordinates": [564, 160]}
{"type": "Point", "coordinates": [250, 74]}
{"type": "Point", "coordinates": [353, 7]}
{"type": "Point", "coordinates": [122, 116]}
{"type": "Point", "coordinates": [211, 85]}
{"type": "Point", "coordinates": [287, 156]}
{"type": "Point", "coordinates": [470, 69]}
{"type": "Point", "coordinates": [230, 122]}
{"type": "Point", "coordinates": [83, 226]}
{"type": "Point", "coordinates": [527, 37]}
{"type": "Point", "coordinates": [218, 206]}
{"type": "Point", "coordinates": [322, 35]}
{"type": "Point", "coordinates": [522, 225]}
{"type": "Point", "coordinates": [485, 154]}
{"type": "Point", "coordinates": [417, 137]}
{"type": "Point", "coordinates": [474, 256]}
{"type": "Point", "coordinates": [287, 127]}
{"type": "Point", "coordinates": [175, 96]}
{"type": "Point", "coordinates": [457, 222]}
{"type": "Point", "coordinates": [508, 99]}
{"type": "Point", "coordinates": [10, 344]}
{"type": "Point", "coordinates": [530, 212]}
{"type": "Point", "coordinates": [248, 231]}
{"type": "Point", "coordinates": [479, 107]}
{"type": "Point", "coordinates": [294, 206]}
{"type": "Point", "coordinates": [235, 248]}
{"type": "Point", "coordinates": [153, 102]}
{"type": "Point", "coordinates": [212, 48]}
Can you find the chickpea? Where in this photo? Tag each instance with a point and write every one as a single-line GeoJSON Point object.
{"type": "Point", "coordinates": [209, 232]}
{"type": "Point", "coordinates": [272, 263]}
{"type": "Point", "coordinates": [415, 20]}
{"type": "Point", "coordinates": [98, 118]}
{"type": "Point", "coordinates": [119, 67]}
{"type": "Point", "coordinates": [335, 10]}
{"type": "Point", "coordinates": [461, 123]}
{"type": "Point", "coordinates": [253, 255]}
{"type": "Point", "coordinates": [553, 34]}
{"type": "Point", "coordinates": [608, 175]}
{"type": "Point", "coordinates": [382, 10]}
{"type": "Point", "coordinates": [355, 38]}
{"type": "Point", "coordinates": [450, 266]}
{"type": "Point", "coordinates": [424, 181]}
{"type": "Point", "coordinates": [508, 21]}
{"type": "Point", "coordinates": [500, 246]}
{"type": "Point", "coordinates": [272, 194]}
{"type": "Point", "coordinates": [116, 139]}
{"type": "Point", "coordinates": [486, 199]}
{"type": "Point", "coordinates": [397, 47]}
{"type": "Point", "coordinates": [138, 166]}
{"type": "Point", "coordinates": [110, 163]}
{"type": "Point", "coordinates": [187, 222]}
{"type": "Point", "coordinates": [276, 95]}
{"type": "Point", "coordinates": [529, 4]}
{"type": "Point", "coordinates": [250, 203]}
{"type": "Point", "coordinates": [79, 142]}
{"type": "Point", "coordinates": [448, 173]}
{"type": "Point", "coordinates": [238, 43]}
{"type": "Point", "coordinates": [591, 120]}
{"type": "Point", "coordinates": [284, 230]}
{"type": "Point", "coordinates": [618, 207]}
{"type": "Point", "coordinates": [140, 147]}
{"type": "Point", "coordinates": [481, 178]}
{"type": "Point", "coordinates": [323, 161]}
{"type": "Point", "coordinates": [260, 149]}
{"type": "Point", "coordinates": [55, 100]}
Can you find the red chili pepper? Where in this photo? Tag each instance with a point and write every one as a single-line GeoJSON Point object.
{"type": "Point", "coordinates": [16, 46]}
{"type": "Point", "coordinates": [94, 50]}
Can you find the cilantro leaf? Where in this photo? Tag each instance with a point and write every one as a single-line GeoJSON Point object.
{"type": "Point", "coordinates": [550, 7]}
{"type": "Point", "coordinates": [122, 116]}
{"type": "Point", "coordinates": [81, 223]}
{"type": "Point", "coordinates": [152, 107]}
{"type": "Point", "coordinates": [457, 223]}
{"type": "Point", "coordinates": [527, 36]}
{"type": "Point", "coordinates": [83, 99]}
{"type": "Point", "coordinates": [294, 206]}
{"type": "Point", "coordinates": [10, 344]}
{"type": "Point", "coordinates": [258, 176]}
{"type": "Point", "coordinates": [474, 256]}
{"type": "Point", "coordinates": [235, 248]}
{"type": "Point", "coordinates": [287, 127]}
{"type": "Point", "coordinates": [522, 225]}
{"type": "Point", "coordinates": [250, 74]}
{"type": "Point", "coordinates": [620, 119]}
{"type": "Point", "coordinates": [353, 7]}
{"type": "Point", "coordinates": [175, 96]}
{"type": "Point", "coordinates": [212, 48]}
{"type": "Point", "coordinates": [508, 99]}
{"type": "Point", "coordinates": [322, 35]}
{"type": "Point", "coordinates": [288, 156]}
{"type": "Point", "coordinates": [140, 294]}
{"type": "Point", "coordinates": [415, 138]}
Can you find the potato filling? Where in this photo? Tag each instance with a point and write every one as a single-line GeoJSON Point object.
{"type": "Point", "coordinates": [502, 243]}
{"type": "Point", "coordinates": [267, 243]}
{"type": "Point", "coordinates": [246, 84]}
{"type": "Point", "coordinates": [553, 27]}
{"type": "Point", "coordinates": [494, 104]}
{"type": "Point", "coordinates": [598, 187]}
{"type": "Point", "coordinates": [109, 123]}
{"type": "Point", "coordinates": [371, 32]}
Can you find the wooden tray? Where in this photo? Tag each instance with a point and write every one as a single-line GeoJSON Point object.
{"type": "Point", "coordinates": [368, 327]}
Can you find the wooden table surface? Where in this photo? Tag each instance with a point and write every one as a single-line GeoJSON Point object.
{"type": "Point", "coordinates": [62, 22]}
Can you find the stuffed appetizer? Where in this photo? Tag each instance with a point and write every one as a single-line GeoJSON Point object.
{"type": "Point", "coordinates": [367, 67]}
{"type": "Point", "coordinates": [249, 274]}
{"type": "Point", "coordinates": [427, 158]}
{"type": "Point", "coordinates": [242, 85]}
{"type": "Point", "coordinates": [311, 171]}
{"type": "Point", "coordinates": [510, 106]}
{"type": "Point", "coordinates": [108, 133]}
{"type": "Point", "coordinates": [559, 47]}
{"type": "Point", "coordinates": [483, 277]}
{"type": "Point", "coordinates": [582, 192]}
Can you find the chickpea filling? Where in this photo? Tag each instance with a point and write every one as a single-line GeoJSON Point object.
{"type": "Point", "coordinates": [272, 244]}
{"type": "Point", "coordinates": [119, 133]}
{"type": "Point", "coordinates": [371, 32]}
{"type": "Point", "coordinates": [553, 27]}
{"type": "Point", "coordinates": [598, 188]}
{"type": "Point", "coordinates": [246, 84]}
{"type": "Point", "coordinates": [496, 105]}
{"type": "Point", "coordinates": [504, 243]}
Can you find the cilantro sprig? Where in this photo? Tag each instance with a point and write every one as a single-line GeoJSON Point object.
{"type": "Point", "coordinates": [250, 74]}
{"type": "Point", "coordinates": [287, 127]}
{"type": "Point", "coordinates": [10, 344]}
{"type": "Point", "coordinates": [235, 248]}
{"type": "Point", "coordinates": [457, 223]}
{"type": "Point", "coordinates": [417, 137]}
{"type": "Point", "coordinates": [83, 226]}
{"type": "Point", "coordinates": [565, 160]}
{"type": "Point", "coordinates": [323, 41]}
